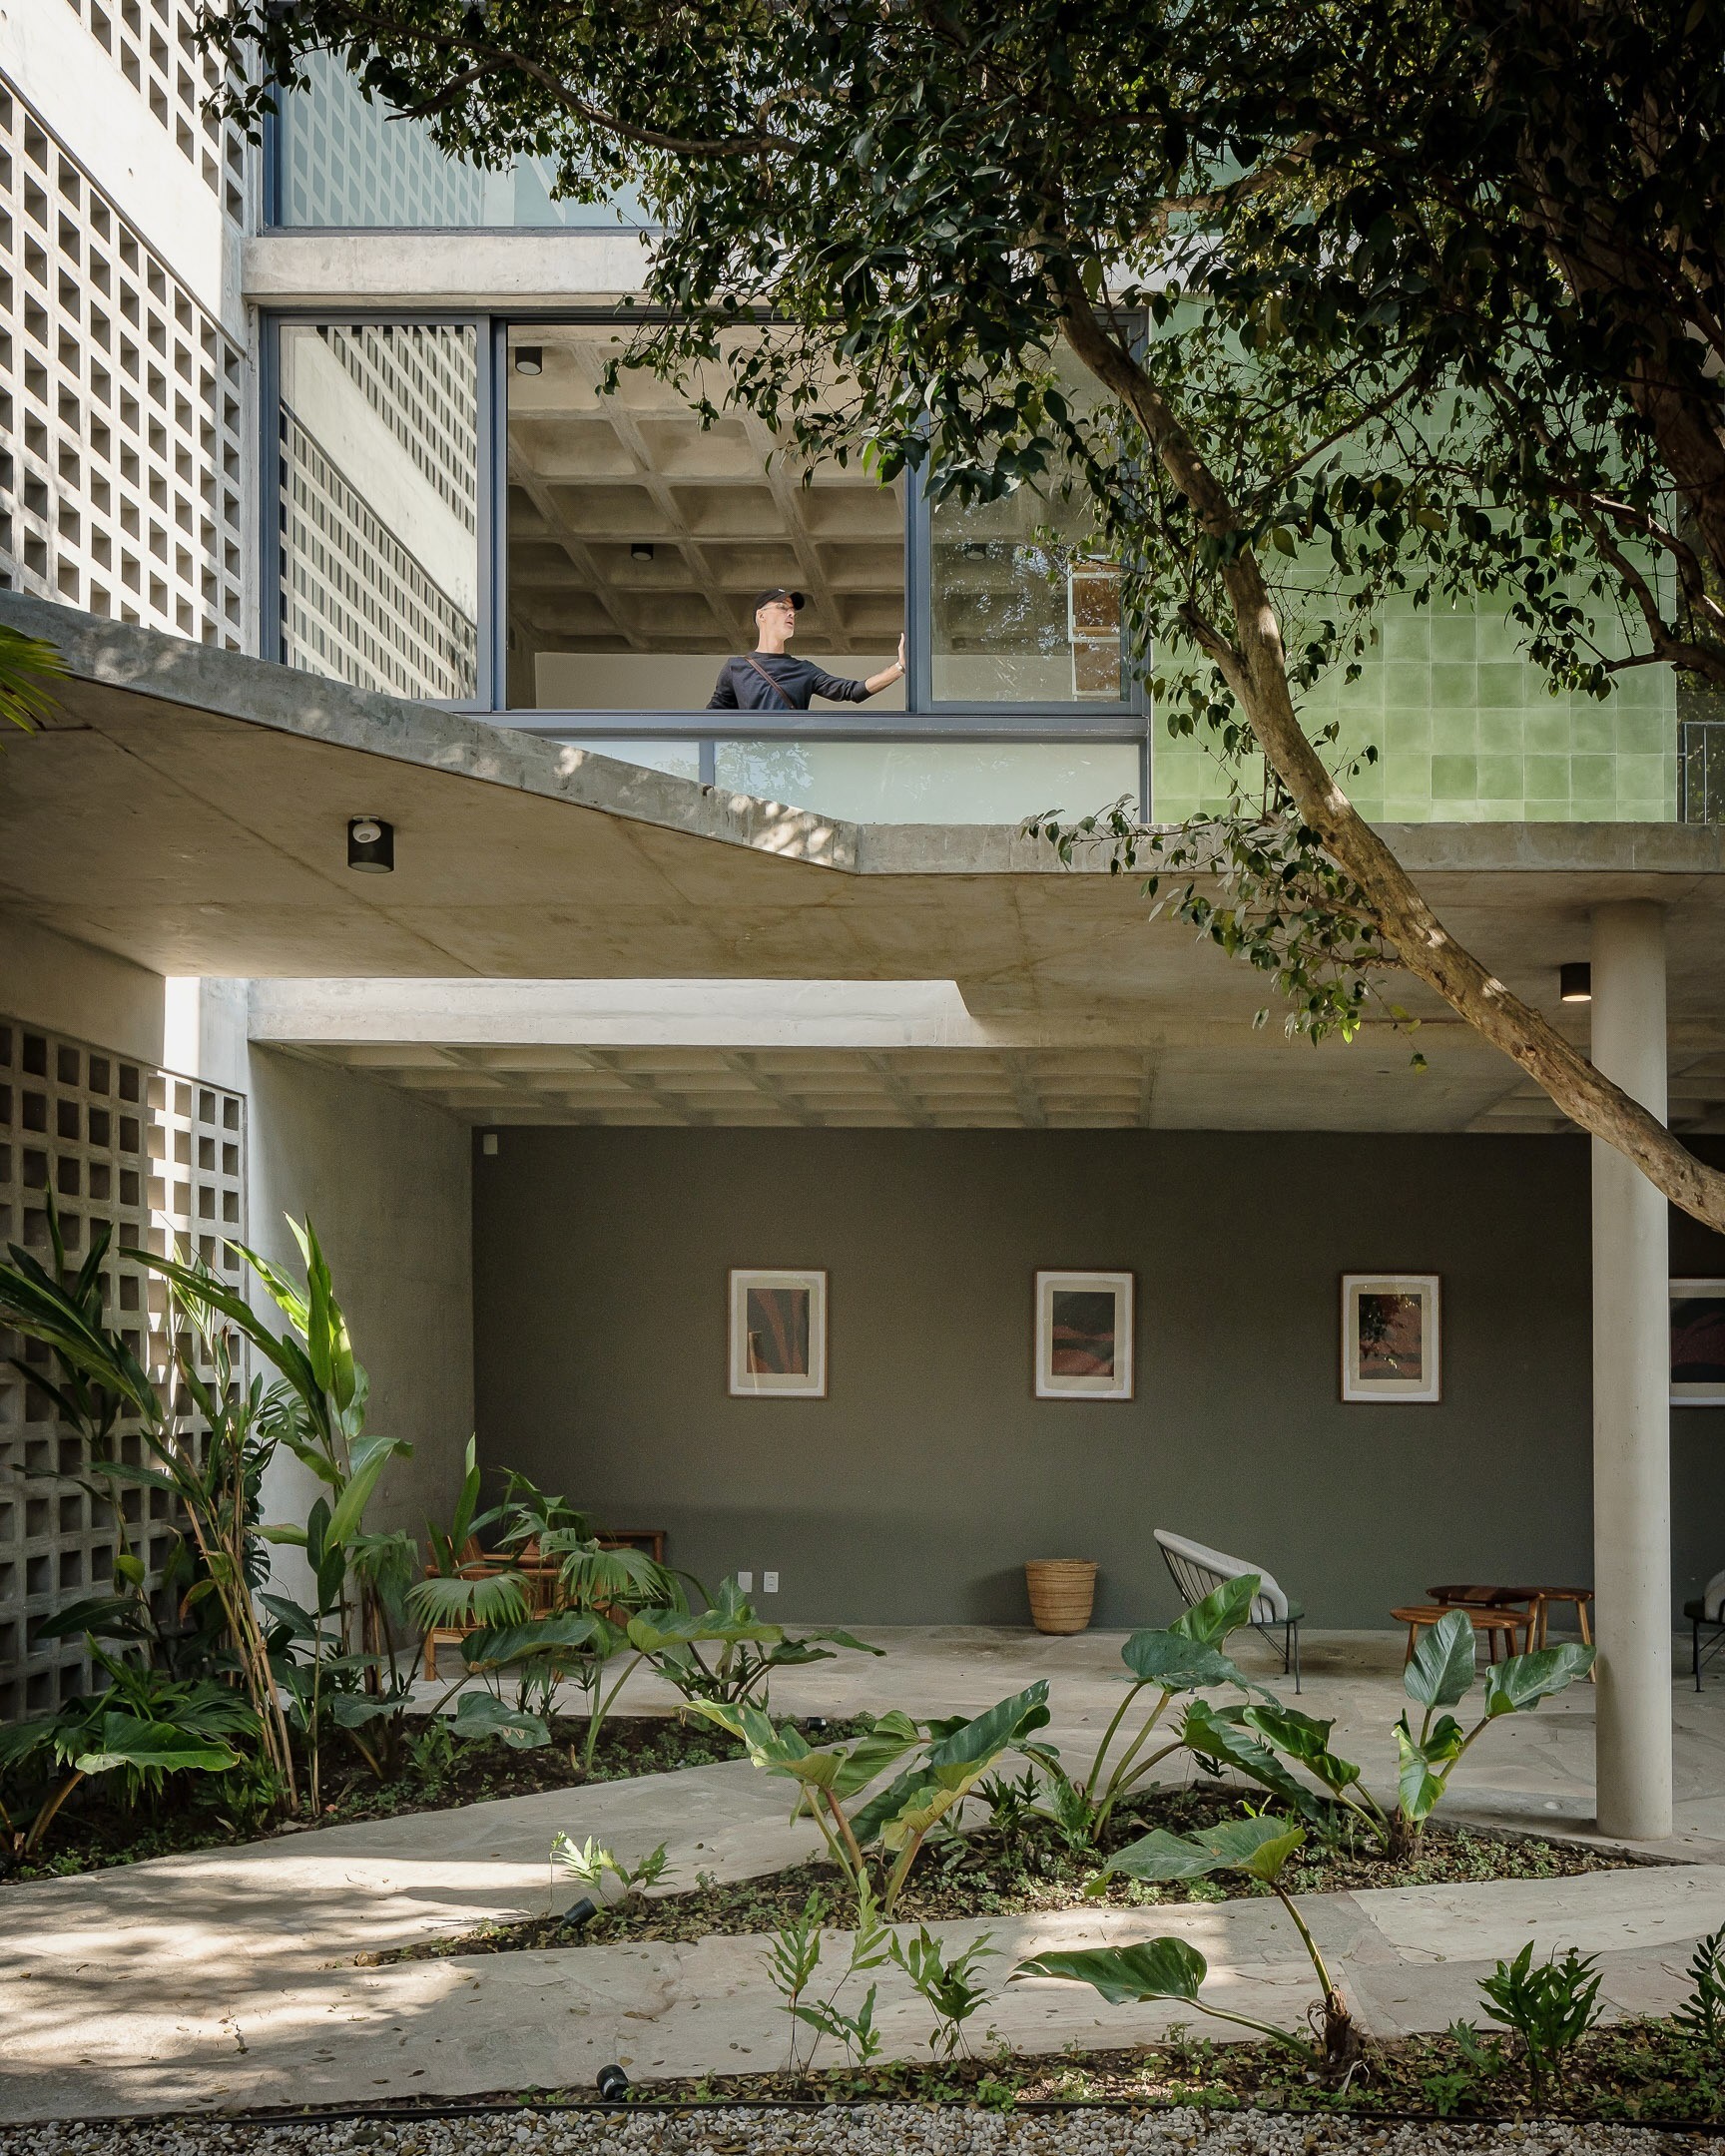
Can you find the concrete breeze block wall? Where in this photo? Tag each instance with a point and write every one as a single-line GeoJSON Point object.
{"type": "Point", "coordinates": [916, 1490]}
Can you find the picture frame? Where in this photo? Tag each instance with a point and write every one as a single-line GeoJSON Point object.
{"type": "Point", "coordinates": [1698, 1344]}
{"type": "Point", "coordinates": [1085, 1327]}
{"type": "Point", "coordinates": [778, 1333]}
{"type": "Point", "coordinates": [1391, 1337]}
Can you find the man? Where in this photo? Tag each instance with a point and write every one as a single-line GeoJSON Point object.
{"type": "Point", "coordinates": [769, 678]}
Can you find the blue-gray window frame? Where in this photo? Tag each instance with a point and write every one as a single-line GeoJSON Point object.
{"type": "Point", "coordinates": [1127, 723]}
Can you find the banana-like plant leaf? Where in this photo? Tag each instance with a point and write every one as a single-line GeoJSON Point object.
{"type": "Point", "coordinates": [1525, 1680]}
{"type": "Point", "coordinates": [1259, 1847]}
{"type": "Point", "coordinates": [1441, 1672]}
{"type": "Point", "coordinates": [153, 1746]}
{"type": "Point", "coordinates": [989, 1734]}
{"type": "Point", "coordinates": [492, 1598]}
{"type": "Point", "coordinates": [1423, 1768]}
{"type": "Point", "coordinates": [873, 1752]}
{"type": "Point", "coordinates": [483, 1714]}
{"type": "Point", "coordinates": [370, 1460]}
{"type": "Point", "coordinates": [1177, 1662]}
{"type": "Point", "coordinates": [653, 1630]}
{"type": "Point", "coordinates": [285, 1610]}
{"type": "Point", "coordinates": [107, 1616]}
{"type": "Point", "coordinates": [1215, 1737]}
{"type": "Point", "coordinates": [1223, 1610]}
{"type": "Point", "coordinates": [1159, 1968]}
{"type": "Point", "coordinates": [497, 1645]}
{"type": "Point", "coordinates": [1303, 1739]}
{"type": "Point", "coordinates": [353, 1709]}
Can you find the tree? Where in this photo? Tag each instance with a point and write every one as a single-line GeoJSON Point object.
{"type": "Point", "coordinates": [1367, 301]}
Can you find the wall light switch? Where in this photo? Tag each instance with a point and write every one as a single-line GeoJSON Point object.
{"type": "Point", "coordinates": [488, 1144]}
{"type": "Point", "coordinates": [746, 1581]}
{"type": "Point", "coordinates": [768, 1583]}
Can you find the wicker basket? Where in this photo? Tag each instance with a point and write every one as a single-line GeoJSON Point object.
{"type": "Point", "coordinates": [1062, 1593]}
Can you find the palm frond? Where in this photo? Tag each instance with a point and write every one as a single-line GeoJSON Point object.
{"type": "Point", "coordinates": [27, 665]}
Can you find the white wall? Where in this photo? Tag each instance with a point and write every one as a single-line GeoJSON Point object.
{"type": "Point", "coordinates": [74, 989]}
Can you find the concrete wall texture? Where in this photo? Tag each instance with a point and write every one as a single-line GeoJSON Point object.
{"type": "Point", "coordinates": [915, 1492]}
{"type": "Point", "coordinates": [69, 987]}
{"type": "Point", "coordinates": [385, 1181]}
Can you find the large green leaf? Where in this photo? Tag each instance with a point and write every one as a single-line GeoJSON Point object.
{"type": "Point", "coordinates": [564, 1631]}
{"type": "Point", "coordinates": [494, 1599]}
{"type": "Point", "coordinates": [1177, 1662]}
{"type": "Point", "coordinates": [1259, 1847]}
{"type": "Point", "coordinates": [1441, 1671]}
{"type": "Point", "coordinates": [1223, 1610]}
{"type": "Point", "coordinates": [369, 1460]}
{"type": "Point", "coordinates": [107, 1616]}
{"type": "Point", "coordinates": [1422, 1769]}
{"type": "Point", "coordinates": [990, 1734]}
{"type": "Point", "coordinates": [483, 1714]}
{"type": "Point", "coordinates": [1303, 1739]}
{"type": "Point", "coordinates": [153, 1746]}
{"type": "Point", "coordinates": [1525, 1680]}
{"type": "Point", "coordinates": [873, 1752]}
{"type": "Point", "coordinates": [1217, 1737]}
{"type": "Point", "coordinates": [1159, 1968]}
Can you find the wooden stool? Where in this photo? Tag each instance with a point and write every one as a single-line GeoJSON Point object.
{"type": "Point", "coordinates": [1495, 1624]}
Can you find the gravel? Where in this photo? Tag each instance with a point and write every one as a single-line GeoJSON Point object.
{"type": "Point", "coordinates": [867, 2130]}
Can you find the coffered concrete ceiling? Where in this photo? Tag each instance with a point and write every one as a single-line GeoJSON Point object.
{"type": "Point", "coordinates": [187, 810]}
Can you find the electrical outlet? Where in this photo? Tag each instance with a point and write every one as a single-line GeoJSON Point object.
{"type": "Point", "coordinates": [768, 1583]}
{"type": "Point", "coordinates": [745, 1582]}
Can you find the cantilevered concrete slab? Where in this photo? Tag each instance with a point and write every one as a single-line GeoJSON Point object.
{"type": "Point", "coordinates": [186, 809]}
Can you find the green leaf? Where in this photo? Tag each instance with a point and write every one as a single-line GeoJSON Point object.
{"type": "Point", "coordinates": [1223, 1610]}
{"type": "Point", "coordinates": [990, 1734]}
{"type": "Point", "coordinates": [483, 1714]}
{"type": "Point", "coordinates": [1525, 1680]}
{"type": "Point", "coordinates": [1305, 1740]}
{"type": "Point", "coordinates": [370, 1460]}
{"type": "Point", "coordinates": [107, 1616]}
{"type": "Point", "coordinates": [563, 1631]}
{"type": "Point", "coordinates": [1441, 1669]}
{"type": "Point", "coordinates": [494, 1599]}
{"type": "Point", "coordinates": [152, 1748]}
{"type": "Point", "coordinates": [1422, 1769]}
{"type": "Point", "coordinates": [1259, 1847]}
{"type": "Point", "coordinates": [1214, 1736]}
{"type": "Point", "coordinates": [1159, 1968]}
{"type": "Point", "coordinates": [1177, 1662]}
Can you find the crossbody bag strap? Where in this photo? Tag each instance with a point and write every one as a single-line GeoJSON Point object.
{"type": "Point", "coordinates": [784, 703]}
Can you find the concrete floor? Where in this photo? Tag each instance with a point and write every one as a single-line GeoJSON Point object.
{"type": "Point", "coordinates": [225, 1979]}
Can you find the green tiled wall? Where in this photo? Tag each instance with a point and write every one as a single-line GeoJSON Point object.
{"type": "Point", "coordinates": [1467, 732]}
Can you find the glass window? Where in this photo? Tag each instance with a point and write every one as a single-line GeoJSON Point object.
{"type": "Point", "coordinates": [378, 507]}
{"type": "Point", "coordinates": [932, 781]}
{"type": "Point", "coordinates": [638, 538]}
{"type": "Point", "coordinates": [344, 162]}
{"type": "Point", "coordinates": [1023, 610]}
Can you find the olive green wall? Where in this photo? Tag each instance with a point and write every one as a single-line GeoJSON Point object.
{"type": "Point", "coordinates": [916, 1490]}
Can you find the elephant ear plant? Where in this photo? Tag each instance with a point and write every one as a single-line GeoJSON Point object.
{"type": "Point", "coordinates": [1170, 1968]}
{"type": "Point", "coordinates": [889, 1829]}
{"type": "Point", "coordinates": [1167, 1663]}
{"type": "Point", "coordinates": [1266, 1742]}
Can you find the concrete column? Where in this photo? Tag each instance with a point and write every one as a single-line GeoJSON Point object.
{"type": "Point", "coordinates": [1631, 1394]}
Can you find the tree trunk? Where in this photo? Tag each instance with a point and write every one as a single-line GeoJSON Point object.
{"type": "Point", "coordinates": [1255, 666]}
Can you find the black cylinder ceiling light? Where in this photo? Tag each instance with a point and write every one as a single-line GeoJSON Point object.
{"type": "Point", "coordinates": [371, 844]}
{"type": "Point", "coordinates": [1576, 981]}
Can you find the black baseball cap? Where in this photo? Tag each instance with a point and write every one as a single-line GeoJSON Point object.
{"type": "Point", "coordinates": [798, 599]}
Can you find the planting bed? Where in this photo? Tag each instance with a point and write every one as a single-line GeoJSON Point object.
{"type": "Point", "coordinates": [989, 1873]}
{"type": "Point", "coordinates": [97, 1827]}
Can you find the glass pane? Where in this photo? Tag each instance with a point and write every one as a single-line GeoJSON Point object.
{"type": "Point", "coordinates": [379, 452]}
{"type": "Point", "coordinates": [347, 163]}
{"type": "Point", "coordinates": [681, 759]}
{"type": "Point", "coordinates": [639, 539]}
{"type": "Point", "coordinates": [932, 782]}
{"type": "Point", "coordinates": [1023, 610]}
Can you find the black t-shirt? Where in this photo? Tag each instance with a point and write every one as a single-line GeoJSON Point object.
{"type": "Point", "coordinates": [793, 682]}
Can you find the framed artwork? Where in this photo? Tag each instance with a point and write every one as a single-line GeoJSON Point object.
{"type": "Point", "coordinates": [1698, 1344]}
{"type": "Point", "coordinates": [1392, 1341]}
{"type": "Point", "coordinates": [779, 1335]}
{"type": "Point", "coordinates": [1084, 1336]}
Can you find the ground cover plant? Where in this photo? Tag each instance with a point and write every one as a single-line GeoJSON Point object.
{"type": "Point", "coordinates": [1034, 1869]}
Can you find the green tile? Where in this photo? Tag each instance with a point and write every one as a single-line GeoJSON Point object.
{"type": "Point", "coordinates": [1501, 732]}
{"type": "Point", "coordinates": [1499, 777]}
{"type": "Point", "coordinates": [1547, 731]}
{"type": "Point", "coordinates": [1408, 726]}
{"type": "Point", "coordinates": [1643, 733]}
{"type": "Point", "coordinates": [1546, 778]}
{"type": "Point", "coordinates": [1453, 687]}
{"type": "Point", "coordinates": [1407, 808]}
{"type": "Point", "coordinates": [1548, 812]}
{"type": "Point", "coordinates": [1454, 635]}
{"type": "Point", "coordinates": [1407, 635]}
{"type": "Point", "coordinates": [1591, 727]}
{"type": "Point", "coordinates": [1407, 682]}
{"type": "Point", "coordinates": [1454, 778]}
{"type": "Point", "coordinates": [1593, 781]}
{"type": "Point", "coordinates": [1456, 733]}
{"type": "Point", "coordinates": [1498, 812]}
{"type": "Point", "coordinates": [1503, 683]}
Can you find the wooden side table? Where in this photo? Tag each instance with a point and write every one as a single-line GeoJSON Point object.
{"type": "Point", "coordinates": [1533, 1604]}
{"type": "Point", "coordinates": [1495, 1624]}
